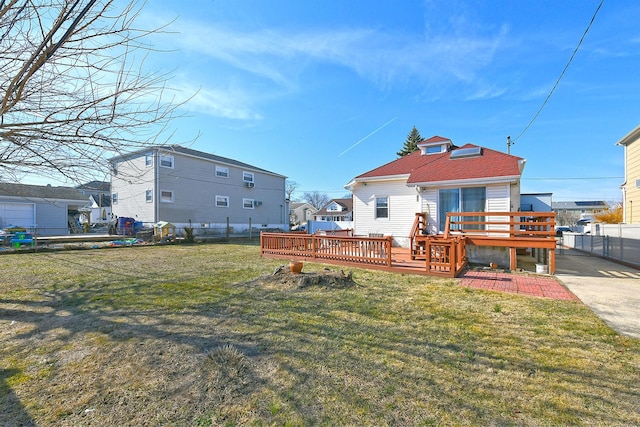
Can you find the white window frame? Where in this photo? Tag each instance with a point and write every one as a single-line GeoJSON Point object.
{"type": "Point", "coordinates": [248, 177]}
{"type": "Point", "coordinates": [375, 208]}
{"type": "Point", "coordinates": [222, 172]}
{"type": "Point", "coordinates": [250, 202]}
{"type": "Point", "coordinates": [148, 159]}
{"type": "Point", "coordinates": [148, 195]}
{"type": "Point", "coordinates": [166, 158]}
{"type": "Point", "coordinates": [433, 149]}
{"type": "Point", "coordinates": [164, 199]}
{"type": "Point", "coordinates": [222, 201]}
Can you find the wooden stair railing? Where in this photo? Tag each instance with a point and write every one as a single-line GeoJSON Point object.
{"type": "Point", "coordinates": [417, 244]}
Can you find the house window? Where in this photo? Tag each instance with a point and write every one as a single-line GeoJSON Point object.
{"type": "Point", "coordinates": [149, 196]}
{"type": "Point", "coordinates": [114, 198]}
{"type": "Point", "coordinates": [382, 207]}
{"type": "Point", "coordinates": [222, 201]}
{"type": "Point", "coordinates": [471, 199]}
{"type": "Point", "coordinates": [166, 161]}
{"type": "Point", "coordinates": [166, 196]}
{"type": "Point", "coordinates": [247, 203]}
{"type": "Point", "coordinates": [247, 177]}
{"type": "Point", "coordinates": [148, 159]}
{"type": "Point", "coordinates": [433, 149]}
{"type": "Point", "coordinates": [222, 172]}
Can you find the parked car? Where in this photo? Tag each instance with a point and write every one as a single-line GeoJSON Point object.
{"type": "Point", "coordinates": [560, 230]}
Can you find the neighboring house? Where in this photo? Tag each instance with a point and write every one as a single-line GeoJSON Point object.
{"type": "Point", "coordinates": [436, 179]}
{"type": "Point", "coordinates": [95, 187]}
{"type": "Point", "coordinates": [569, 213]}
{"type": "Point", "coordinates": [301, 213]}
{"type": "Point", "coordinates": [188, 187]}
{"type": "Point", "coordinates": [98, 208]}
{"type": "Point", "coordinates": [631, 185]}
{"type": "Point", "coordinates": [536, 202]}
{"type": "Point", "coordinates": [336, 210]}
{"type": "Point", "coordinates": [45, 210]}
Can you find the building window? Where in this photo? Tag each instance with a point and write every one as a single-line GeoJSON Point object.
{"type": "Point", "coordinates": [222, 201]}
{"type": "Point", "coordinates": [247, 177]}
{"type": "Point", "coordinates": [149, 196]}
{"type": "Point", "coordinates": [471, 199]}
{"type": "Point", "coordinates": [433, 149]}
{"type": "Point", "coordinates": [382, 207]}
{"type": "Point", "coordinates": [247, 203]}
{"type": "Point", "coordinates": [222, 172]}
{"type": "Point", "coordinates": [148, 159]}
{"type": "Point", "coordinates": [166, 196]}
{"type": "Point", "coordinates": [114, 198]}
{"type": "Point", "coordinates": [166, 161]}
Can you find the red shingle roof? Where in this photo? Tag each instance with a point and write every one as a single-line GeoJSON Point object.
{"type": "Point", "coordinates": [441, 167]}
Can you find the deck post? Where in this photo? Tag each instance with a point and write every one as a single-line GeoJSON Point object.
{"type": "Point", "coordinates": [513, 259]}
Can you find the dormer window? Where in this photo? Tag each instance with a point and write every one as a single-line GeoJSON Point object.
{"type": "Point", "coordinates": [433, 149]}
{"type": "Point", "coordinates": [334, 207]}
{"type": "Point", "coordinates": [435, 145]}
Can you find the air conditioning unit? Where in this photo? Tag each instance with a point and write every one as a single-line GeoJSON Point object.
{"type": "Point", "coordinates": [257, 203]}
{"type": "Point", "coordinates": [249, 184]}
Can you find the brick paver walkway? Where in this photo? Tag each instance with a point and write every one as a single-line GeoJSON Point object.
{"type": "Point", "coordinates": [534, 285]}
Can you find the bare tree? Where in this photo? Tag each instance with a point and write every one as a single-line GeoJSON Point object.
{"type": "Point", "coordinates": [290, 187]}
{"type": "Point", "coordinates": [73, 89]}
{"type": "Point", "coordinates": [316, 199]}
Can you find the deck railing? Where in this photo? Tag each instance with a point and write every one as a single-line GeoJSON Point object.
{"type": "Point", "coordinates": [533, 230]}
{"type": "Point", "coordinates": [445, 257]}
{"type": "Point", "coordinates": [501, 224]}
{"type": "Point", "coordinates": [337, 248]}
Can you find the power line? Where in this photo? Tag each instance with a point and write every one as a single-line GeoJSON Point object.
{"type": "Point", "coordinates": [551, 178]}
{"type": "Point", "coordinates": [559, 78]}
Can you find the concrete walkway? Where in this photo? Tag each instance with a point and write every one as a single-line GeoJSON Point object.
{"type": "Point", "coordinates": [611, 290]}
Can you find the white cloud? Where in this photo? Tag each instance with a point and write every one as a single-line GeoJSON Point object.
{"type": "Point", "coordinates": [385, 58]}
{"type": "Point", "coordinates": [231, 103]}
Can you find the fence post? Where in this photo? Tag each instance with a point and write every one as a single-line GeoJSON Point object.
{"type": "Point", "coordinates": [227, 231]}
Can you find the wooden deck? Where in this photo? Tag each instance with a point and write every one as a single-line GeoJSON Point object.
{"type": "Point", "coordinates": [438, 255]}
{"type": "Point", "coordinates": [399, 260]}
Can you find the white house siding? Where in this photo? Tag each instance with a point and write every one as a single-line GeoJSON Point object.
{"type": "Point", "coordinates": [498, 200]}
{"type": "Point", "coordinates": [131, 182]}
{"type": "Point", "coordinates": [404, 202]}
{"type": "Point", "coordinates": [430, 207]}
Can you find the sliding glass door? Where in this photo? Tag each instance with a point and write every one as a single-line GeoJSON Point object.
{"type": "Point", "coordinates": [470, 199]}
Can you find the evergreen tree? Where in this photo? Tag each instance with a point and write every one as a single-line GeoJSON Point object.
{"type": "Point", "coordinates": [411, 144]}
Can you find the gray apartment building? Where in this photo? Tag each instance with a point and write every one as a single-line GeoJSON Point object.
{"type": "Point", "coordinates": [189, 187]}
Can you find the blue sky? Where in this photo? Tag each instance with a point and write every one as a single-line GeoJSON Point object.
{"type": "Point", "coordinates": [322, 91]}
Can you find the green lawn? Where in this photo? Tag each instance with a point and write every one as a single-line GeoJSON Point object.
{"type": "Point", "coordinates": [199, 335]}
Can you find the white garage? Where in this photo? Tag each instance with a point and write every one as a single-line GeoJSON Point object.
{"type": "Point", "coordinates": [17, 214]}
{"type": "Point", "coordinates": [45, 210]}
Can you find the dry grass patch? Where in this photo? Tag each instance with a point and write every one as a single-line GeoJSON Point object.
{"type": "Point", "coordinates": [209, 335]}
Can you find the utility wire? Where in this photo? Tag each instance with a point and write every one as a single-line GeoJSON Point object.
{"type": "Point", "coordinates": [561, 75]}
